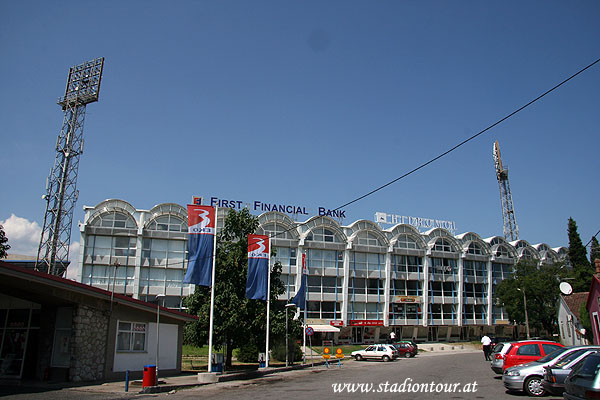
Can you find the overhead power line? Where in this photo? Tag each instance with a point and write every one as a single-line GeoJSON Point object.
{"type": "Point", "coordinates": [469, 139]}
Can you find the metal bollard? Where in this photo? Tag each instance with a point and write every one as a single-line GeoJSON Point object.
{"type": "Point", "coordinates": [127, 381]}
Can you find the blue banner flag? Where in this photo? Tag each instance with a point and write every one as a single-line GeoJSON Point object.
{"type": "Point", "coordinates": [300, 298]}
{"type": "Point", "coordinates": [258, 267]}
{"type": "Point", "coordinates": [201, 234]}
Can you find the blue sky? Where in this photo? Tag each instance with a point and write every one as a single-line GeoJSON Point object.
{"type": "Point", "coordinates": [310, 103]}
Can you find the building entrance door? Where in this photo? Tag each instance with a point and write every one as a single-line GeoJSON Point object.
{"type": "Point", "coordinates": [357, 335]}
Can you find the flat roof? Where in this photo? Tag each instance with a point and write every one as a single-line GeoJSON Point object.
{"type": "Point", "coordinates": [28, 277]}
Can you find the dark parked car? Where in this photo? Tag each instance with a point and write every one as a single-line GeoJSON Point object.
{"type": "Point", "coordinates": [555, 374]}
{"type": "Point", "coordinates": [584, 380]}
{"type": "Point", "coordinates": [528, 377]}
{"type": "Point", "coordinates": [405, 349]}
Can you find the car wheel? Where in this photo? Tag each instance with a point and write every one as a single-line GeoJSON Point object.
{"type": "Point", "coordinates": [385, 358]}
{"type": "Point", "coordinates": [358, 357]}
{"type": "Point", "coordinates": [407, 355]}
{"type": "Point", "coordinates": [533, 386]}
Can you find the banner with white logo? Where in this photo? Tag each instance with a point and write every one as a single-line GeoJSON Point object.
{"type": "Point", "coordinates": [201, 233]}
{"type": "Point", "coordinates": [258, 267]}
{"type": "Point", "coordinates": [300, 298]}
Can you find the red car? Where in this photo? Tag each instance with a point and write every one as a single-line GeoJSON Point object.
{"type": "Point", "coordinates": [528, 351]}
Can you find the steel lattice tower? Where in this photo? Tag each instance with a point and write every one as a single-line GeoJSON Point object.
{"type": "Point", "coordinates": [83, 87]}
{"type": "Point", "coordinates": [511, 229]}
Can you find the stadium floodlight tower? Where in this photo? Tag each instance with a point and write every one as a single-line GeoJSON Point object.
{"type": "Point", "coordinates": [511, 230]}
{"type": "Point", "coordinates": [83, 87]}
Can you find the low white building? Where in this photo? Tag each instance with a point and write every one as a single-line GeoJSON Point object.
{"type": "Point", "coordinates": [571, 330]}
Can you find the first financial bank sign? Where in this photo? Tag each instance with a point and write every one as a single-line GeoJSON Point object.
{"type": "Point", "coordinates": [261, 207]}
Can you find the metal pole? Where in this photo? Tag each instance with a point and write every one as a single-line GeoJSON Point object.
{"type": "Point", "coordinates": [287, 346]}
{"type": "Point", "coordinates": [112, 293]}
{"type": "Point", "coordinates": [268, 305]}
{"type": "Point", "coordinates": [212, 296]}
{"type": "Point", "coordinates": [526, 317]}
{"type": "Point", "coordinates": [157, 334]}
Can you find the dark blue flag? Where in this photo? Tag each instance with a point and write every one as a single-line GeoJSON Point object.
{"type": "Point", "coordinates": [201, 234]}
{"type": "Point", "coordinates": [257, 282]}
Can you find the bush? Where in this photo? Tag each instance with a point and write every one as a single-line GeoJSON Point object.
{"type": "Point", "coordinates": [248, 353]}
{"type": "Point", "coordinates": [278, 351]}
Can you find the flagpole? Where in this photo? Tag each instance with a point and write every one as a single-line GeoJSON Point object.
{"type": "Point", "coordinates": [212, 296]}
{"type": "Point", "coordinates": [304, 280]}
{"type": "Point", "coordinates": [268, 304]}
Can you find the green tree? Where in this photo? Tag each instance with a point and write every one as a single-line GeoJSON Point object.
{"type": "Point", "coordinates": [4, 246]}
{"type": "Point", "coordinates": [586, 323]}
{"type": "Point", "coordinates": [237, 321]}
{"type": "Point", "coordinates": [594, 250]}
{"type": "Point", "coordinates": [582, 269]}
{"type": "Point", "coordinates": [541, 288]}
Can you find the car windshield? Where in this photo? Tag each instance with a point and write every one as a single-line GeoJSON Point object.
{"type": "Point", "coordinates": [588, 366]}
{"type": "Point", "coordinates": [498, 347]}
{"type": "Point", "coordinates": [567, 358]}
{"type": "Point", "coordinates": [551, 356]}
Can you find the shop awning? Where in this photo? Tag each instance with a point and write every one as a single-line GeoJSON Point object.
{"type": "Point", "coordinates": [324, 328]}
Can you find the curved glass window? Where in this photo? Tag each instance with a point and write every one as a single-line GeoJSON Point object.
{"type": "Point", "coordinates": [169, 223]}
{"type": "Point", "coordinates": [367, 239]}
{"type": "Point", "coordinates": [442, 245]}
{"type": "Point", "coordinates": [502, 251]}
{"type": "Point", "coordinates": [322, 235]}
{"type": "Point", "coordinates": [406, 242]}
{"type": "Point", "coordinates": [277, 231]}
{"type": "Point", "coordinates": [474, 248]}
{"type": "Point", "coordinates": [114, 219]}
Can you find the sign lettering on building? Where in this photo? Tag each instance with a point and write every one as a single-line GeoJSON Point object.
{"type": "Point", "coordinates": [418, 222]}
{"type": "Point", "coordinates": [261, 207]}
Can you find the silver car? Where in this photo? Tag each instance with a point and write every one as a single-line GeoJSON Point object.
{"type": "Point", "coordinates": [528, 377]}
{"type": "Point", "coordinates": [555, 374]}
{"type": "Point", "coordinates": [497, 355]}
{"type": "Point", "coordinates": [584, 381]}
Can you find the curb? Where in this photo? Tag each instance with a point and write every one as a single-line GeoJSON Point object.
{"type": "Point", "coordinates": [228, 377]}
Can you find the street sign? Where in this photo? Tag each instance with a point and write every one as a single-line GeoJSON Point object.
{"type": "Point", "coordinates": [309, 331]}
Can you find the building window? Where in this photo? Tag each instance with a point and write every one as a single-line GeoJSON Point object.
{"type": "Point", "coordinates": [368, 261]}
{"type": "Point", "coordinates": [474, 249]}
{"type": "Point", "coordinates": [476, 269]}
{"type": "Point", "coordinates": [404, 264]}
{"type": "Point", "coordinates": [169, 223]}
{"type": "Point", "coordinates": [131, 336]}
{"type": "Point", "coordinates": [285, 255]}
{"type": "Point", "coordinates": [322, 235]}
{"type": "Point", "coordinates": [406, 242]}
{"type": "Point", "coordinates": [367, 239]}
{"type": "Point", "coordinates": [442, 245]}
{"type": "Point", "coordinates": [114, 219]}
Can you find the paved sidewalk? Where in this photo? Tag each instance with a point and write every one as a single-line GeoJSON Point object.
{"type": "Point", "coordinates": [189, 379]}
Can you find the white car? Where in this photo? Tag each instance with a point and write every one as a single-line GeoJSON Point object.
{"type": "Point", "coordinates": [384, 352]}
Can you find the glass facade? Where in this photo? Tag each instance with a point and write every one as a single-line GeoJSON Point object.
{"type": "Point", "coordinates": [359, 275]}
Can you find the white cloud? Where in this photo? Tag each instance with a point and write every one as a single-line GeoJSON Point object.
{"type": "Point", "coordinates": [74, 258]}
{"type": "Point", "coordinates": [24, 239]}
{"type": "Point", "coordinates": [23, 235]}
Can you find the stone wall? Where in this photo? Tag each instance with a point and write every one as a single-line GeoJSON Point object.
{"type": "Point", "coordinates": [89, 343]}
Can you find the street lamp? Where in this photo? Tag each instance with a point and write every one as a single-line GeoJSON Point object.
{"type": "Point", "coordinates": [287, 347]}
{"type": "Point", "coordinates": [158, 297]}
{"type": "Point", "coordinates": [525, 306]}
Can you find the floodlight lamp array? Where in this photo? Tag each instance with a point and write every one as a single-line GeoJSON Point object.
{"type": "Point", "coordinates": [83, 84]}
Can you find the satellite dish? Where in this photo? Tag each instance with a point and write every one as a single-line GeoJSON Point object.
{"type": "Point", "coordinates": [565, 288]}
